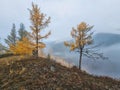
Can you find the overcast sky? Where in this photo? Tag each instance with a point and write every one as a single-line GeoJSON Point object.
{"type": "Point", "coordinates": [65, 14]}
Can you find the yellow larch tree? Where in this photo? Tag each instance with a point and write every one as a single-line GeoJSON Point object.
{"type": "Point", "coordinates": [39, 22]}
{"type": "Point", "coordinates": [23, 47]}
{"type": "Point", "coordinates": [83, 37]}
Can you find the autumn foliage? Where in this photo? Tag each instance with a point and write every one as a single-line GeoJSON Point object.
{"type": "Point", "coordinates": [39, 22]}
{"type": "Point", "coordinates": [23, 47]}
{"type": "Point", "coordinates": [82, 37]}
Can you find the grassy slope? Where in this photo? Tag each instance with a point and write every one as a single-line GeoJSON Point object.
{"type": "Point", "coordinates": [43, 74]}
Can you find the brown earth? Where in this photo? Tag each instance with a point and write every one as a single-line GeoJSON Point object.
{"type": "Point", "coordinates": [44, 74]}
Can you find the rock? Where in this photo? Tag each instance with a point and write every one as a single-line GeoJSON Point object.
{"type": "Point", "coordinates": [52, 68]}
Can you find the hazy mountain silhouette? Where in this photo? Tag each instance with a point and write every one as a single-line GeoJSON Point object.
{"type": "Point", "coordinates": [107, 39]}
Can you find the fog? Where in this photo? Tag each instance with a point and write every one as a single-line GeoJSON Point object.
{"type": "Point", "coordinates": [109, 67]}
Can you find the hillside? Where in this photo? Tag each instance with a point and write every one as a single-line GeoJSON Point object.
{"type": "Point", "coordinates": [45, 74]}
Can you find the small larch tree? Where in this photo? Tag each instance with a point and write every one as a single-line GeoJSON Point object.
{"type": "Point", "coordinates": [82, 38]}
{"type": "Point", "coordinates": [22, 47]}
{"type": "Point", "coordinates": [12, 38]}
{"type": "Point", "coordinates": [39, 22]}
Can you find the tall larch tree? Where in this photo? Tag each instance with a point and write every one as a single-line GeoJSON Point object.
{"type": "Point", "coordinates": [39, 22]}
{"type": "Point", "coordinates": [83, 37]}
{"type": "Point", "coordinates": [12, 38]}
{"type": "Point", "coordinates": [22, 32]}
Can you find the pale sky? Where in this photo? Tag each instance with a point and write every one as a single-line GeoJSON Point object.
{"type": "Point", "coordinates": [65, 14]}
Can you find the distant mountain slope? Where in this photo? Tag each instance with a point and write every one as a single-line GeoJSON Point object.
{"type": "Point", "coordinates": [107, 39]}
{"type": "Point", "coordinates": [56, 48]}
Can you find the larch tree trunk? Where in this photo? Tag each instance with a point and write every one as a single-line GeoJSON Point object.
{"type": "Point", "coordinates": [80, 59]}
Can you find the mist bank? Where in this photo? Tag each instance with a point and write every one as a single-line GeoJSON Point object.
{"type": "Point", "coordinates": [110, 48]}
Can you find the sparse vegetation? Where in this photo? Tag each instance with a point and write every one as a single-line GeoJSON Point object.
{"type": "Point", "coordinates": [34, 74]}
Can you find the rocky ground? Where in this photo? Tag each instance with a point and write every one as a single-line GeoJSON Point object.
{"type": "Point", "coordinates": [44, 74]}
